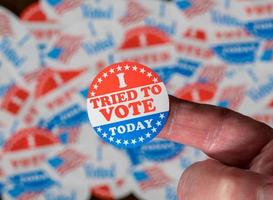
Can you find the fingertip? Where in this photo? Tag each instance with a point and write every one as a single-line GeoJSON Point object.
{"type": "Point", "coordinates": [211, 179]}
{"type": "Point", "coordinates": [221, 133]}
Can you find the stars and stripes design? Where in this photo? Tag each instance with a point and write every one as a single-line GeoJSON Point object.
{"type": "Point", "coordinates": [151, 177]}
{"type": "Point", "coordinates": [65, 47]}
{"type": "Point", "coordinates": [231, 96]}
{"type": "Point", "coordinates": [62, 6]}
{"type": "Point", "coordinates": [68, 135]}
{"type": "Point", "coordinates": [267, 51]}
{"type": "Point", "coordinates": [67, 160]}
{"type": "Point", "coordinates": [212, 74]}
{"type": "Point", "coordinates": [193, 8]}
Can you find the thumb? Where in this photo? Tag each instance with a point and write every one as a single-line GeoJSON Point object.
{"type": "Point", "coordinates": [210, 180]}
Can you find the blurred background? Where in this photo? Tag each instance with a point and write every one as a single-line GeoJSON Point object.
{"type": "Point", "coordinates": [211, 51]}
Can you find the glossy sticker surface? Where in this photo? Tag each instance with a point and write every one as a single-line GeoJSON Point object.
{"type": "Point", "coordinates": [127, 104]}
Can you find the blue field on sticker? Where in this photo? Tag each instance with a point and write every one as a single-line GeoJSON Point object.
{"type": "Point", "coordinates": [261, 28]}
{"type": "Point", "coordinates": [237, 53]}
{"type": "Point", "coordinates": [132, 132]}
{"type": "Point", "coordinates": [34, 181]}
{"type": "Point", "coordinates": [157, 150]}
{"type": "Point", "coordinates": [56, 52]}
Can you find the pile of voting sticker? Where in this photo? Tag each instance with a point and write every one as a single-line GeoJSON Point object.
{"type": "Point", "coordinates": [208, 51]}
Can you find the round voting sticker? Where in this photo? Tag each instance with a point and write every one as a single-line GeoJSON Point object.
{"type": "Point", "coordinates": [127, 104]}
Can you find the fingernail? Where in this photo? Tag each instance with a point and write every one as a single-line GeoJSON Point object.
{"type": "Point", "coordinates": [267, 193]}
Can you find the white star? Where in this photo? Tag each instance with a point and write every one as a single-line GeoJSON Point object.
{"type": "Point", "coordinates": [141, 139]}
{"type": "Point", "coordinates": [105, 74]}
{"type": "Point", "coordinates": [112, 71]}
{"type": "Point", "coordinates": [92, 93]}
{"type": "Point", "coordinates": [95, 86]}
{"type": "Point", "coordinates": [111, 139]}
{"type": "Point", "coordinates": [149, 74]}
{"type": "Point", "coordinates": [133, 141]}
{"type": "Point", "coordinates": [118, 141]}
{"type": "Point", "coordinates": [99, 80]}
{"type": "Point", "coordinates": [126, 67]}
{"type": "Point", "coordinates": [126, 142]}
{"type": "Point", "coordinates": [154, 129]}
{"type": "Point", "coordinates": [148, 135]}
{"type": "Point", "coordinates": [104, 135]}
{"type": "Point", "coordinates": [119, 68]}
{"type": "Point", "coordinates": [99, 129]}
{"type": "Point", "coordinates": [134, 68]}
{"type": "Point", "coordinates": [161, 116]}
{"type": "Point", "coordinates": [158, 123]}
{"type": "Point", "coordinates": [155, 80]}
{"type": "Point", "coordinates": [142, 70]}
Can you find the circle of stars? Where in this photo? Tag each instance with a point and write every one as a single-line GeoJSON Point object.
{"type": "Point", "coordinates": [116, 69]}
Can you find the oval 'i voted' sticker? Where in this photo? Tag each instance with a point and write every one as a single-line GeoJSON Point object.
{"type": "Point", "coordinates": [127, 104]}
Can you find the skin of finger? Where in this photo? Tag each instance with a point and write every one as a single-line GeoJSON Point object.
{"type": "Point", "coordinates": [225, 135]}
{"type": "Point", "coordinates": [263, 163]}
{"type": "Point", "coordinates": [210, 180]}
